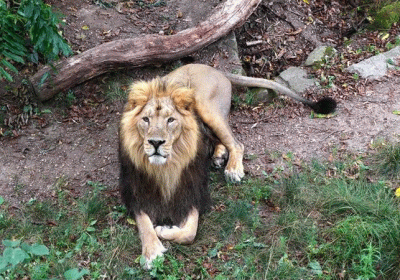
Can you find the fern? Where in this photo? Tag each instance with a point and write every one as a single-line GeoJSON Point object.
{"type": "Point", "coordinates": [28, 31]}
{"type": "Point", "coordinates": [12, 44]}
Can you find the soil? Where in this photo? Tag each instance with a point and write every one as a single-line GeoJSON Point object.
{"type": "Point", "coordinates": [77, 142]}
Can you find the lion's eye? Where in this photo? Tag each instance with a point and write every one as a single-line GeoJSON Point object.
{"type": "Point", "coordinates": [146, 119]}
{"type": "Point", "coordinates": [170, 120]}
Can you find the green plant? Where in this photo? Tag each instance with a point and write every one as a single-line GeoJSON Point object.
{"type": "Point", "coordinates": [16, 254]}
{"type": "Point", "coordinates": [387, 16]}
{"type": "Point", "coordinates": [75, 274]}
{"type": "Point", "coordinates": [117, 89]}
{"type": "Point", "coordinates": [368, 261]}
{"type": "Point", "coordinates": [320, 223]}
{"type": "Point", "coordinates": [32, 20]}
{"type": "Point", "coordinates": [387, 160]}
{"type": "Point", "coordinates": [12, 44]}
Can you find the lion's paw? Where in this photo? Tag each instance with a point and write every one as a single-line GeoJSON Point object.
{"type": "Point", "coordinates": [167, 232]}
{"type": "Point", "coordinates": [234, 176]}
{"type": "Point", "coordinates": [218, 162]}
{"type": "Point", "coordinates": [175, 234]}
{"type": "Point", "coordinates": [151, 252]}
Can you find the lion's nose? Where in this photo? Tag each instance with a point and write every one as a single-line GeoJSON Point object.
{"type": "Point", "coordinates": [156, 143]}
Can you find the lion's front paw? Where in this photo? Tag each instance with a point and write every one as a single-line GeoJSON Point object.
{"type": "Point", "coordinates": [151, 251]}
{"type": "Point", "coordinates": [234, 175]}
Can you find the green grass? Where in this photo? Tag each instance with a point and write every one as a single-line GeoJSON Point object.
{"type": "Point", "coordinates": [117, 89]}
{"type": "Point", "coordinates": [328, 221]}
{"type": "Point", "coordinates": [387, 161]}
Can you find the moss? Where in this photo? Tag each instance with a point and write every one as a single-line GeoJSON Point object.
{"type": "Point", "coordinates": [387, 16]}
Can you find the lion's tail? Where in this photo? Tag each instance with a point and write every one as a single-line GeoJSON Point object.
{"type": "Point", "coordinates": [325, 106]}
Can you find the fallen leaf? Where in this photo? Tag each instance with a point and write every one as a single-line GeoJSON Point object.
{"type": "Point", "coordinates": [131, 221]}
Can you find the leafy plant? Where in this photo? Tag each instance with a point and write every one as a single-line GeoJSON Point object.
{"type": "Point", "coordinates": [29, 30]}
{"type": "Point", "coordinates": [387, 16]}
{"type": "Point", "coordinates": [12, 43]}
{"type": "Point", "coordinates": [75, 274]}
{"type": "Point", "coordinates": [16, 254]}
{"type": "Point", "coordinates": [321, 223]}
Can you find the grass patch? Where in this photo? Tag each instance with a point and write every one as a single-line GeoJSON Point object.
{"type": "Point", "coordinates": [387, 161]}
{"type": "Point", "coordinates": [116, 88]}
{"type": "Point", "coordinates": [329, 221]}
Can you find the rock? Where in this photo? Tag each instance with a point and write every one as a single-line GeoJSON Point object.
{"type": "Point", "coordinates": [319, 54]}
{"type": "Point", "coordinates": [262, 95]}
{"type": "Point", "coordinates": [376, 67]}
{"type": "Point", "coordinates": [296, 78]}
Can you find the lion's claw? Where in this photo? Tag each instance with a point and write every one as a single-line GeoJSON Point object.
{"type": "Point", "coordinates": [234, 176]}
{"type": "Point", "coordinates": [151, 253]}
{"type": "Point", "coordinates": [218, 162]}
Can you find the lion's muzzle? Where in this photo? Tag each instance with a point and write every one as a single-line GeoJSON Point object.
{"type": "Point", "coordinates": [156, 143]}
{"type": "Point", "coordinates": [156, 155]}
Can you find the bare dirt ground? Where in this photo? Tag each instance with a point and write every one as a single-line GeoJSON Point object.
{"type": "Point", "coordinates": [78, 143]}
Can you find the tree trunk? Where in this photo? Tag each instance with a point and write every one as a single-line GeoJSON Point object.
{"type": "Point", "coordinates": [134, 52]}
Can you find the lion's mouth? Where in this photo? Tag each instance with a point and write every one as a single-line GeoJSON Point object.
{"type": "Point", "coordinates": [157, 159]}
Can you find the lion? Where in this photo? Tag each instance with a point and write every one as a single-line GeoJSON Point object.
{"type": "Point", "coordinates": [171, 130]}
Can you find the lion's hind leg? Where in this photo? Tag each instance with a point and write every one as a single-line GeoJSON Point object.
{"type": "Point", "coordinates": [185, 233]}
{"type": "Point", "coordinates": [234, 170]}
{"type": "Point", "coordinates": [151, 245]}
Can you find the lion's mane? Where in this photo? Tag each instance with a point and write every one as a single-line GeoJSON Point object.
{"type": "Point", "coordinates": [165, 192]}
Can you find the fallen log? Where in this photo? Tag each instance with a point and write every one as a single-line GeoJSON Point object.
{"type": "Point", "coordinates": [140, 51]}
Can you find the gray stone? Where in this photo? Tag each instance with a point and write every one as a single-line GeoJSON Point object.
{"type": "Point", "coordinates": [263, 95]}
{"type": "Point", "coordinates": [375, 67]}
{"type": "Point", "coordinates": [296, 78]}
{"type": "Point", "coordinates": [318, 54]}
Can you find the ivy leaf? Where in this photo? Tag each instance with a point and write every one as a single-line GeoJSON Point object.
{"type": "Point", "coordinates": [10, 243]}
{"type": "Point", "coordinates": [39, 250]}
{"type": "Point", "coordinates": [315, 267]}
{"type": "Point", "coordinates": [44, 78]}
{"type": "Point", "coordinates": [90, 229]}
{"type": "Point", "coordinates": [15, 255]}
{"type": "Point", "coordinates": [3, 264]}
{"type": "Point", "coordinates": [396, 112]}
{"type": "Point", "coordinates": [75, 274]}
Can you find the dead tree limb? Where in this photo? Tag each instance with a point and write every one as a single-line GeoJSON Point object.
{"type": "Point", "coordinates": [134, 52]}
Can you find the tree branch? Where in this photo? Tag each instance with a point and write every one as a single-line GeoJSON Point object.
{"type": "Point", "coordinates": [134, 52]}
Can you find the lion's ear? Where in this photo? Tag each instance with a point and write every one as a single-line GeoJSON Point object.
{"type": "Point", "coordinates": [183, 99]}
{"type": "Point", "coordinates": [138, 95]}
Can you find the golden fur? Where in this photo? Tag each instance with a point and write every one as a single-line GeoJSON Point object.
{"type": "Point", "coordinates": [163, 151]}
{"type": "Point", "coordinates": [175, 100]}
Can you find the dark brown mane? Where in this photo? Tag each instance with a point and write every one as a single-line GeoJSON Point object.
{"type": "Point", "coordinates": [140, 192]}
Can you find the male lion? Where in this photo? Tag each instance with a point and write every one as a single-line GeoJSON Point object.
{"type": "Point", "coordinates": [170, 130]}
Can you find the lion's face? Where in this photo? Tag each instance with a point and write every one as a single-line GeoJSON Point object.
{"type": "Point", "coordinates": [160, 125]}
{"type": "Point", "coordinates": [159, 128]}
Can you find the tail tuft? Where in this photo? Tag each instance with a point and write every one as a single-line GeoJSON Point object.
{"type": "Point", "coordinates": [325, 106]}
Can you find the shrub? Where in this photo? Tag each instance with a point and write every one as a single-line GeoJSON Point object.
{"type": "Point", "coordinates": [28, 31]}
{"type": "Point", "coordinates": [388, 15]}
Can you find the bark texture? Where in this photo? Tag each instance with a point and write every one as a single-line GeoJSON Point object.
{"type": "Point", "coordinates": [135, 52]}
